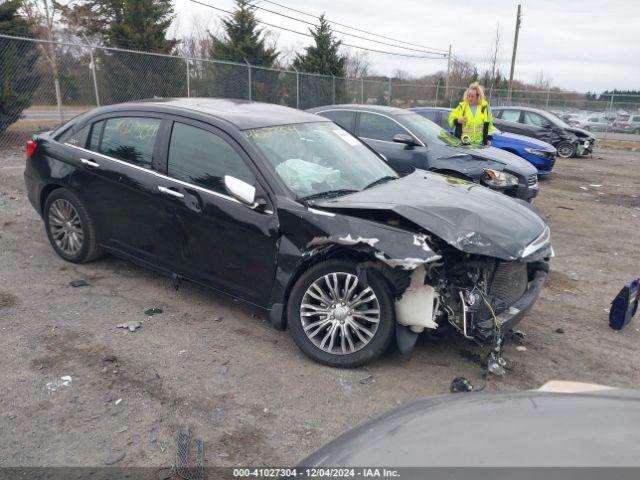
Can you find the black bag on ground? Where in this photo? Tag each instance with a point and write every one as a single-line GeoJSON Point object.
{"type": "Point", "coordinates": [625, 305]}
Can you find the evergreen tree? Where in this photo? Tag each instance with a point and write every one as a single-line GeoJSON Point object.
{"type": "Point", "coordinates": [241, 42]}
{"type": "Point", "coordinates": [136, 25]}
{"type": "Point", "coordinates": [133, 24]}
{"type": "Point", "coordinates": [323, 58]}
{"type": "Point", "coordinates": [17, 60]}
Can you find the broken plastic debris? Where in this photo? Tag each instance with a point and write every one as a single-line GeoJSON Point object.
{"type": "Point", "coordinates": [583, 188]}
{"type": "Point", "coordinates": [153, 311]}
{"type": "Point", "coordinates": [460, 384]}
{"type": "Point", "coordinates": [521, 348]}
{"type": "Point", "coordinates": [519, 333]}
{"type": "Point", "coordinates": [131, 326]}
{"type": "Point", "coordinates": [367, 379]}
{"type": "Point", "coordinates": [595, 185]}
{"type": "Point", "coordinates": [54, 385]}
{"type": "Point", "coordinates": [560, 330]}
{"type": "Point", "coordinates": [78, 283]}
{"type": "Point", "coordinates": [496, 365]}
{"type": "Point", "coordinates": [118, 401]}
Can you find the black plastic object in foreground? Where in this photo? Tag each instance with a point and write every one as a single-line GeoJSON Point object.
{"type": "Point", "coordinates": [625, 305]}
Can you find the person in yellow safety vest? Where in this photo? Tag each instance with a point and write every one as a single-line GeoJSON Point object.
{"type": "Point", "coordinates": [472, 120]}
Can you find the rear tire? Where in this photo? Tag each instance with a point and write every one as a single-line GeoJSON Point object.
{"type": "Point", "coordinates": [346, 335]}
{"type": "Point", "coordinates": [70, 229]}
{"type": "Point", "coordinates": [566, 149]}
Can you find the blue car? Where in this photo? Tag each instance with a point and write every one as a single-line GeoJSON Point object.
{"type": "Point", "coordinates": [541, 155]}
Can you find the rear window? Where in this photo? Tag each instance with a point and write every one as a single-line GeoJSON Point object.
{"type": "Point", "coordinates": [77, 138]}
{"type": "Point", "coordinates": [623, 118]}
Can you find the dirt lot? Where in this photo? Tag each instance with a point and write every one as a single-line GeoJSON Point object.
{"type": "Point", "coordinates": [244, 388]}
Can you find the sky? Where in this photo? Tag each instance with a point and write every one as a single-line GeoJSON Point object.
{"type": "Point", "coordinates": [580, 45]}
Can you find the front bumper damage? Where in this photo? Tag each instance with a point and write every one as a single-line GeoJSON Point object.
{"type": "Point", "coordinates": [516, 312]}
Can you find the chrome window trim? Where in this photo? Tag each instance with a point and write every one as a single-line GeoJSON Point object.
{"type": "Point", "coordinates": [160, 175]}
{"type": "Point", "coordinates": [379, 114]}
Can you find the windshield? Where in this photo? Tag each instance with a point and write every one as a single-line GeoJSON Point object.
{"type": "Point", "coordinates": [556, 120]}
{"type": "Point", "coordinates": [426, 130]}
{"type": "Point", "coordinates": [317, 158]}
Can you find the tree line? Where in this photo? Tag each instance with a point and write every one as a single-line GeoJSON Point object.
{"type": "Point", "coordinates": [30, 70]}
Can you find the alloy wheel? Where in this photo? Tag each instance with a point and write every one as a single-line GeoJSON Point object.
{"type": "Point", "coordinates": [338, 314]}
{"type": "Point", "coordinates": [65, 226]}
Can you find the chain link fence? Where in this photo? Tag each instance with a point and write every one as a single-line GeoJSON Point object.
{"type": "Point", "coordinates": [43, 84]}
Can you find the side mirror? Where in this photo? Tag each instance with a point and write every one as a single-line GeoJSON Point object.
{"type": "Point", "coordinates": [240, 190]}
{"type": "Point", "coordinates": [404, 138]}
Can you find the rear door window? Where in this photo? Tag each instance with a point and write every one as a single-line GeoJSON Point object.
{"type": "Point", "coordinates": [378, 127]}
{"type": "Point", "coordinates": [202, 158]}
{"type": "Point", "coordinates": [130, 139]}
{"type": "Point", "coordinates": [344, 118]}
{"type": "Point", "coordinates": [511, 116]}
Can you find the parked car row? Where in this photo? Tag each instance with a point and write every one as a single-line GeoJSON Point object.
{"type": "Point", "coordinates": [617, 122]}
{"type": "Point", "coordinates": [408, 142]}
{"type": "Point", "coordinates": [541, 155]}
{"type": "Point", "coordinates": [291, 213]}
{"type": "Point", "coordinates": [627, 123]}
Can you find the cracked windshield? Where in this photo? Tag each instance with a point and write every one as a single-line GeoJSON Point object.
{"type": "Point", "coordinates": [319, 159]}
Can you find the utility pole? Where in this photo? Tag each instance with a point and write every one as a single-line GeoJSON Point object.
{"type": "Point", "coordinates": [446, 85]}
{"type": "Point", "coordinates": [515, 49]}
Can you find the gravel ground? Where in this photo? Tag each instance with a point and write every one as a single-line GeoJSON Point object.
{"type": "Point", "coordinates": [217, 367]}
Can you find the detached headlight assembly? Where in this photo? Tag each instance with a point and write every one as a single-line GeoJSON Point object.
{"type": "Point", "coordinates": [495, 179]}
{"type": "Point", "coordinates": [535, 151]}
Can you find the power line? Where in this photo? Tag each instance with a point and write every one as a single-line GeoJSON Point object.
{"type": "Point", "coordinates": [442, 55]}
{"type": "Point", "coordinates": [346, 33]}
{"type": "Point", "coordinates": [356, 29]}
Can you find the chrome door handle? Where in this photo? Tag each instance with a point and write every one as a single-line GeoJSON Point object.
{"type": "Point", "coordinates": [89, 163]}
{"type": "Point", "coordinates": [168, 191]}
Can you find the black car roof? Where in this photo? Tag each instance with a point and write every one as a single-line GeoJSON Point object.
{"type": "Point", "coordinates": [242, 113]}
{"type": "Point", "coordinates": [368, 108]}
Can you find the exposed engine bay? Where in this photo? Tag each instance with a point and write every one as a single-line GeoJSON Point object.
{"type": "Point", "coordinates": [467, 292]}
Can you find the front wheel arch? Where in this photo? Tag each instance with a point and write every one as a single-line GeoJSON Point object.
{"type": "Point", "coordinates": [371, 347]}
{"type": "Point", "coordinates": [333, 252]}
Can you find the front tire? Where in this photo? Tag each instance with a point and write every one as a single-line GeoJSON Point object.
{"type": "Point", "coordinates": [337, 320]}
{"type": "Point", "coordinates": [70, 229]}
{"type": "Point", "coordinates": [566, 149]}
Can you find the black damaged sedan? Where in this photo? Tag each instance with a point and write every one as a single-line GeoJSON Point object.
{"type": "Point", "coordinates": [286, 211]}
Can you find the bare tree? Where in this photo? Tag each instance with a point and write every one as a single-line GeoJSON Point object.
{"type": "Point", "coordinates": [542, 83]}
{"type": "Point", "coordinates": [357, 64]}
{"type": "Point", "coordinates": [46, 20]}
{"type": "Point", "coordinates": [490, 75]}
{"type": "Point", "coordinates": [401, 75]}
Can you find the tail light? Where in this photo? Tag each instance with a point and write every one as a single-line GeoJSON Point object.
{"type": "Point", "coordinates": [31, 148]}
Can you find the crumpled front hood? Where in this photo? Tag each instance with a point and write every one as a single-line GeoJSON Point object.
{"type": "Point", "coordinates": [582, 133]}
{"type": "Point", "coordinates": [467, 216]}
